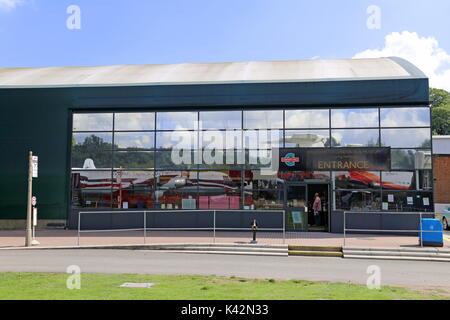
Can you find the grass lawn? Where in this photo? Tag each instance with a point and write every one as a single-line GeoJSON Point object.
{"type": "Point", "coordinates": [33, 286]}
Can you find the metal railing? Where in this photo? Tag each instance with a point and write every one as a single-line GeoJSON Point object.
{"type": "Point", "coordinates": [419, 231]}
{"type": "Point", "coordinates": [213, 228]}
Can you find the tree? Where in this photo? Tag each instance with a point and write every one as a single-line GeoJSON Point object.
{"type": "Point", "coordinates": [440, 104]}
{"type": "Point", "coordinates": [439, 98]}
{"type": "Point", "coordinates": [441, 120]}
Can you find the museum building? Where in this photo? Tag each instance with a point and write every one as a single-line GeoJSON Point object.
{"type": "Point", "coordinates": [248, 136]}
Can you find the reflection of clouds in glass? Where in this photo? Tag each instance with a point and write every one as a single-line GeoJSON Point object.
{"type": "Point", "coordinates": [263, 119]}
{"type": "Point", "coordinates": [307, 138]}
{"type": "Point", "coordinates": [307, 119]}
{"type": "Point", "coordinates": [354, 118]}
{"type": "Point", "coordinates": [221, 120]}
{"type": "Point", "coordinates": [262, 139]}
{"type": "Point", "coordinates": [93, 122]}
{"type": "Point", "coordinates": [355, 137]}
{"type": "Point", "coordinates": [134, 140]}
{"type": "Point", "coordinates": [178, 139]}
{"type": "Point", "coordinates": [405, 138]}
{"type": "Point", "coordinates": [176, 120]}
{"type": "Point", "coordinates": [134, 121]}
{"type": "Point", "coordinates": [405, 117]}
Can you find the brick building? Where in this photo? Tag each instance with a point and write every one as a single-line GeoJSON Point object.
{"type": "Point", "coordinates": [441, 164]}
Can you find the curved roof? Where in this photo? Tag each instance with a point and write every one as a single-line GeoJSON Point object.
{"type": "Point", "coordinates": [211, 73]}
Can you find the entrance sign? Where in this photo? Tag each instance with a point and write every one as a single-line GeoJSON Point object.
{"type": "Point", "coordinates": [351, 159]}
{"type": "Point", "coordinates": [34, 163]}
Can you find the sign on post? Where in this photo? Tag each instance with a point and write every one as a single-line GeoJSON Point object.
{"type": "Point", "coordinates": [34, 219]}
{"type": "Point", "coordinates": [34, 163]}
{"type": "Point", "coordinates": [33, 201]}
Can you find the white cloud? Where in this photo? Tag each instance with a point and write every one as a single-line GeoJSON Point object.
{"type": "Point", "coordinates": [10, 4]}
{"type": "Point", "coordinates": [424, 52]}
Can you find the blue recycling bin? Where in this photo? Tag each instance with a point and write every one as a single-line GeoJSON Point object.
{"type": "Point", "coordinates": [434, 238]}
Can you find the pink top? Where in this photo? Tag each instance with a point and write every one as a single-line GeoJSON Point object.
{"type": "Point", "coordinates": [317, 206]}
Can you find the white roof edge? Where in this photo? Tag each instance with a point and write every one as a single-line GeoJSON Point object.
{"type": "Point", "coordinates": [210, 73]}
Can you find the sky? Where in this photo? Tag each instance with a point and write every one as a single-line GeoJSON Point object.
{"type": "Point", "coordinates": [44, 33]}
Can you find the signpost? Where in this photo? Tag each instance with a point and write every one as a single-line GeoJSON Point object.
{"type": "Point", "coordinates": [31, 202]}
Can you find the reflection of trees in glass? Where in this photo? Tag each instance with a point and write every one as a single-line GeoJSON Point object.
{"type": "Point", "coordinates": [426, 144]}
{"type": "Point", "coordinates": [135, 160]}
{"type": "Point", "coordinates": [94, 148]}
{"type": "Point", "coordinates": [403, 159]}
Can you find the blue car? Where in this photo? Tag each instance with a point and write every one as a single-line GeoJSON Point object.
{"type": "Point", "coordinates": [445, 218]}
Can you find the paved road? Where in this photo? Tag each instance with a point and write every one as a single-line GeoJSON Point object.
{"type": "Point", "coordinates": [406, 273]}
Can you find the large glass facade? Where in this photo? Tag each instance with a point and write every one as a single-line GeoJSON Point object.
{"type": "Point", "coordinates": [212, 159]}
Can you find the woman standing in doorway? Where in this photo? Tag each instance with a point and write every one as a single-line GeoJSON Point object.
{"type": "Point", "coordinates": [317, 208]}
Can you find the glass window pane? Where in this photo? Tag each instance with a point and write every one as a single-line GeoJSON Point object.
{"type": "Point", "coordinates": [409, 201]}
{"type": "Point", "coordinates": [355, 138]}
{"type": "Point", "coordinates": [94, 141]}
{"type": "Point", "coordinates": [214, 139]}
{"type": "Point", "coordinates": [398, 180]}
{"type": "Point", "coordinates": [265, 199]}
{"type": "Point", "coordinates": [176, 140]}
{"type": "Point", "coordinates": [356, 180]}
{"type": "Point", "coordinates": [262, 139]}
{"type": "Point", "coordinates": [177, 190]}
{"type": "Point", "coordinates": [134, 121]}
{"type": "Point", "coordinates": [178, 159]}
{"type": "Point", "coordinates": [135, 188]}
{"type": "Point", "coordinates": [221, 120]}
{"type": "Point", "coordinates": [130, 159]}
{"type": "Point", "coordinates": [410, 159]}
{"type": "Point", "coordinates": [176, 120]}
{"type": "Point", "coordinates": [91, 151]}
{"type": "Point", "coordinates": [405, 117]}
{"type": "Point", "coordinates": [358, 200]}
{"type": "Point", "coordinates": [406, 138]}
{"type": "Point", "coordinates": [135, 180]}
{"type": "Point", "coordinates": [253, 179]}
{"type": "Point", "coordinates": [93, 122]}
{"type": "Point", "coordinates": [94, 198]}
{"type": "Point", "coordinates": [221, 186]}
{"type": "Point", "coordinates": [91, 189]}
{"type": "Point", "coordinates": [354, 118]}
{"type": "Point", "coordinates": [134, 140]}
{"type": "Point", "coordinates": [310, 176]}
{"type": "Point", "coordinates": [263, 119]}
{"type": "Point", "coordinates": [306, 119]}
{"type": "Point", "coordinates": [258, 159]}
{"type": "Point", "coordinates": [425, 180]}
{"type": "Point", "coordinates": [307, 138]}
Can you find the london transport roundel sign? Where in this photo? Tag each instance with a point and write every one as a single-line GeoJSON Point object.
{"type": "Point", "coordinates": [290, 159]}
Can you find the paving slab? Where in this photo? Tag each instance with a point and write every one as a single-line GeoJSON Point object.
{"type": "Point", "coordinates": [69, 238]}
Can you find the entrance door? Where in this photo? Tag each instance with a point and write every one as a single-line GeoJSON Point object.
{"type": "Point", "coordinates": [318, 222]}
{"type": "Point", "coordinates": [296, 206]}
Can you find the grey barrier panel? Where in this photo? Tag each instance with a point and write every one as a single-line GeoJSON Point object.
{"type": "Point", "coordinates": [174, 219]}
{"type": "Point", "coordinates": [376, 221]}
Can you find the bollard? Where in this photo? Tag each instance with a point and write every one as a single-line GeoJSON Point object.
{"type": "Point", "coordinates": [254, 229]}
